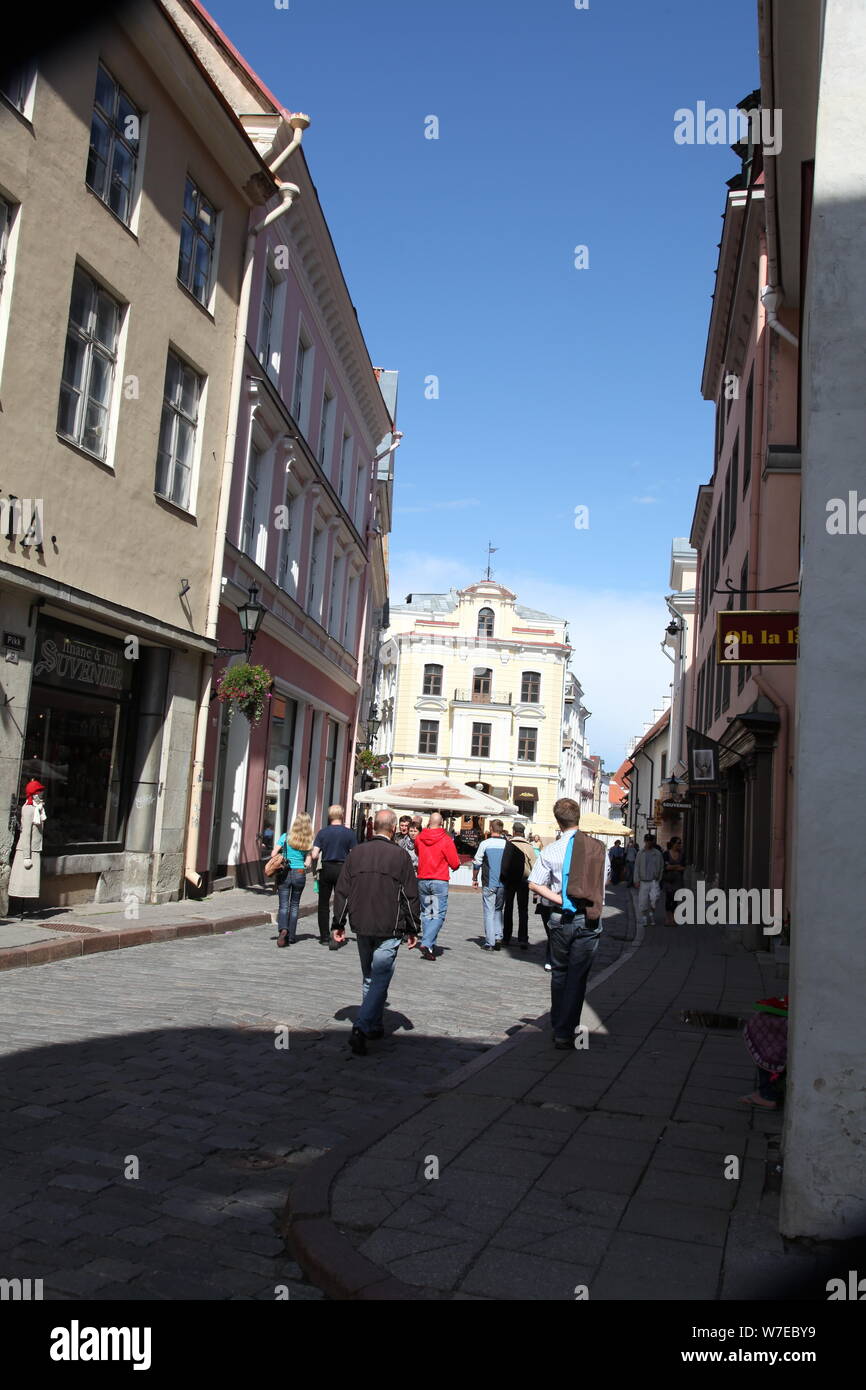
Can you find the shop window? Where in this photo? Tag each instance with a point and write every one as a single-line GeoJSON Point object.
{"type": "Point", "coordinates": [75, 736]}
{"type": "Point", "coordinates": [280, 787]}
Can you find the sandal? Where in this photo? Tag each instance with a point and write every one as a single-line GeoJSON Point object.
{"type": "Point", "coordinates": [283, 938]}
{"type": "Point", "coordinates": [756, 1099]}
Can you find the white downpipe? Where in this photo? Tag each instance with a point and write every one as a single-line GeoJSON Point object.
{"type": "Point", "coordinates": [288, 193]}
{"type": "Point", "coordinates": [771, 298]}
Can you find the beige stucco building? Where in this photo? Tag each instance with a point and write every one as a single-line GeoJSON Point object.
{"type": "Point", "coordinates": [126, 184]}
{"type": "Point", "coordinates": [472, 685]}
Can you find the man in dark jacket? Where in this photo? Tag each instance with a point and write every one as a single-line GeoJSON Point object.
{"type": "Point", "coordinates": [518, 861]}
{"type": "Point", "coordinates": [378, 890]}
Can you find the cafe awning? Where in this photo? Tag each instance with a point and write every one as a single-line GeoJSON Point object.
{"type": "Point", "coordinates": [435, 794]}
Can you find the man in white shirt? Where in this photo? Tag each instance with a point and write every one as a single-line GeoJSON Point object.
{"type": "Point", "coordinates": [648, 870]}
{"type": "Point", "coordinates": [573, 939]}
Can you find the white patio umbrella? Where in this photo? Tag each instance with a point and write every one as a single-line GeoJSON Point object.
{"type": "Point", "coordinates": [435, 793]}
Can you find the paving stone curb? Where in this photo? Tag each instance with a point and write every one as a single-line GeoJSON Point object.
{"type": "Point", "coordinates": [45, 952]}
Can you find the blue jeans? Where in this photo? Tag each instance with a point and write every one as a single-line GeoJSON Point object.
{"type": "Point", "coordinates": [290, 891]}
{"type": "Point", "coordinates": [572, 947]}
{"type": "Point", "coordinates": [434, 905]}
{"type": "Point", "coordinates": [493, 901]}
{"type": "Point", "coordinates": [378, 958]}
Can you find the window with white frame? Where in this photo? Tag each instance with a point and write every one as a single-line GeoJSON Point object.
{"type": "Point", "coordinates": [349, 624]}
{"type": "Point", "coordinates": [177, 433]}
{"type": "Point", "coordinates": [301, 365]}
{"type": "Point", "coordinates": [313, 604]}
{"type": "Point", "coordinates": [360, 497]}
{"type": "Point", "coordinates": [195, 266]}
{"type": "Point", "coordinates": [112, 160]}
{"type": "Point", "coordinates": [17, 87]}
{"type": "Point", "coordinates": [287, 568]}
{"type": "Point", "coordinates": [527, 743]}
{"type": "Point", "coordinates": [89, 365]}
{"type": "Point", "coordinates": [345, 465]}
{"type": "Point", "coordinates": [336, 603]}
{"type": "Point", "coordinates": [325, 428]}
{"type": "Point", "coordinates": [8, 236]}
{"type": "Point", "coordinates": [428, 736]}
{"type": "Point", "coordinates": [249, 529]}
{"type": "Point", "coordinates": [266, 319]}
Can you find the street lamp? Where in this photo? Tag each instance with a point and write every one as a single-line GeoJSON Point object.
{"type": "Point", "coordinates": [250, 616]}
{"type": "Point", "coordinates": [373, 725]}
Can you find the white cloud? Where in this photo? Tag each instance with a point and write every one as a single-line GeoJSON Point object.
{"type": "Point", "coordinates": [644, 499]}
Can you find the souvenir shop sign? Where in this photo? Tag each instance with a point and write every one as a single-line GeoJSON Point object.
{"type": "Point", "coordinates": [757, 638]}
{"type": "Point", "coordinates": [75, 659]}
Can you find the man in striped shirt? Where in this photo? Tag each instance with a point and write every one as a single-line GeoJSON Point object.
{"type": "Point", "coordinates": [573, 939]}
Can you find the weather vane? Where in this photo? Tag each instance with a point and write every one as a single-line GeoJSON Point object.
{"type": "Point", "coordinates": [491, 550]}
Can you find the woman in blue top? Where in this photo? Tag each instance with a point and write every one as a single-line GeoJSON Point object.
{"type": "Point", "coordinates": [296, 847]}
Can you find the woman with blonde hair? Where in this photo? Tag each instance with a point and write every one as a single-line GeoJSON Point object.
{"type": "Point", "coordinates": [296, 847]}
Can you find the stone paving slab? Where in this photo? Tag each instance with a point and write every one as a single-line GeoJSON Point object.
{"type": "Point", "coordinates": [169, 1057]}
{"type": "Point", "coordinates": [604, 1166]}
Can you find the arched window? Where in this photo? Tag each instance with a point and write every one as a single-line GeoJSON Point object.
{"type": "Point", "coordinates": [432, 680]}
{"type": "Point", "coordinates": [485, 622]}
{"type": "Point", "coordinates": [482, 684]}
{"type": "Point", "coordinates": [530, 687]}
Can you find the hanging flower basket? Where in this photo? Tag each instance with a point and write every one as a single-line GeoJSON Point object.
{"type": "Point", "coordinates": [245, 688]}
{"type": "Point", "coordinates": [371, 763]}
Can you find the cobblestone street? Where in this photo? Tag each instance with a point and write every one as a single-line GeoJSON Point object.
{"type": "Point", "coordinates": [166, 1055]}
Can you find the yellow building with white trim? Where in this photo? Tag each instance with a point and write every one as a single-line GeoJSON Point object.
{"type": "Point", "coordinates": [472, 685]}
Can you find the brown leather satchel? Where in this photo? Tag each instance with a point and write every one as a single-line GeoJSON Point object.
{"type": "Point", "coordinates": [276, 862]}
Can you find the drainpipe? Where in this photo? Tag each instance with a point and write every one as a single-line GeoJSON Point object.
{"type": "Point", "coordinates": [288, 193]}
{"type": "Point", "coordinates": [771, 298]}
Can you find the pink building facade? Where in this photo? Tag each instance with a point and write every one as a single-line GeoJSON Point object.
{"type": "Point", "coordinates": [746, 532]}
{"type": "Point", "coordinates": [308, 505]}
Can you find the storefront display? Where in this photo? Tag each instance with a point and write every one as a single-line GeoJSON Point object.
{"type": "Point", "coordinates": [75, 737]}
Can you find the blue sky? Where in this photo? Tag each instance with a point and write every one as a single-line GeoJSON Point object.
{"type": "Point", "coordinates": [558, 387]}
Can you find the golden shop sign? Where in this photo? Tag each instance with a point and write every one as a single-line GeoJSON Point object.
{"type": "Point", "coordinates": [757, 637]}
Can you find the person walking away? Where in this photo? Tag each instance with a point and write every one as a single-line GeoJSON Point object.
{"type": "Point", "coordinates": [488, 862]}
{"type": "Point", "coordinates": [296, 847]}
{"type": "Point", "coordinates": [378, 891]}
{"type": "Point", "coordinates": [330, 847]}
{"type": "Point", "coordinates": [649, 869]}
{"type": "Point", "coordinates": [569, 875]}
{"type": "Point", "coordinates": [616, 855]}
{"type": "Point", "coordinates": [630, 857]}
{"type": "Point", "coordinates": [436, 858]}
{"type": "Point", "coordinates": [518, 860]}
{"type": "Point", "coordinates": [675, 867]}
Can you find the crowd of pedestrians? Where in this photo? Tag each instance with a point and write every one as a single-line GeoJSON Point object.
{"type": "Point", "coordinates": [391, 887]}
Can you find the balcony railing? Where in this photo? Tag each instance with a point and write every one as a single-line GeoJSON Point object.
{"type": "Point", "coordinates": [474, 697]}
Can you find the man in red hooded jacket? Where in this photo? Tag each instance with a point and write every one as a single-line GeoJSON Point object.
{"type": "Point", "coordinates": [436, 858]}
